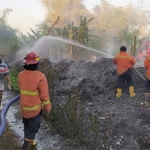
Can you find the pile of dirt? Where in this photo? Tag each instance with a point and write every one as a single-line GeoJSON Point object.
{"type": "Point", "coordinates": [119, 123]}
{"type": "Point", "coordinates": [85, 105]}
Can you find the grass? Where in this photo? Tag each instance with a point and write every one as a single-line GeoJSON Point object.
{"type": "Point", "coordinates": [8, 141]}
{"type": "Point", "coordinates": [14, 79]}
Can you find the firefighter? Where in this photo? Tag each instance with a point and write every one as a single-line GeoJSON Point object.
{"type": "Point", "coordinates": [147, 82]}
{"type": "Point", "coordinates": [124, 63]}
{"type": "Point", "coordinates": [34, 97]}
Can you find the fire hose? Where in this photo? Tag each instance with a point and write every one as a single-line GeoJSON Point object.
{"type": "Point", "coordinates": [4, 112]}
{"type": "Point", "coordinates": [139, 73]}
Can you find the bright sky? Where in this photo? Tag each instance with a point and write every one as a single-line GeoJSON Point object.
{"type": "Point", "coordinates": [27, 13]}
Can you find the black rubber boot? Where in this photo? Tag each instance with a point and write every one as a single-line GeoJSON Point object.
{"type": "Point", "coordinates": [30, 145]}
{"type": "Point", "coordinates": [33, 147]}
{"type": "Point", "coordinates": [26, 145]}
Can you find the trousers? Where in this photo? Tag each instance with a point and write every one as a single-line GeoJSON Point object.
{"type": "Point", "coordinates": [31, 126]}
{"type": "Point", "coordinates": [125, 77]}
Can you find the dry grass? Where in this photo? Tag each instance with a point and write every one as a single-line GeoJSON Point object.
{"type": "Point", "coordinates": [8, 141]}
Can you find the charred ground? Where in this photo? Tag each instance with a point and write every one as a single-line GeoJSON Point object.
{"type": "Point", "coordinates": [86, 109]}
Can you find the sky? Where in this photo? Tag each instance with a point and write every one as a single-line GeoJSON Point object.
{"type": "Point", "coordinates": [27, 13]}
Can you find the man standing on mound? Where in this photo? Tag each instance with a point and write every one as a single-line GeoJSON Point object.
{"type": "Point", "coordinates": [124, 63]}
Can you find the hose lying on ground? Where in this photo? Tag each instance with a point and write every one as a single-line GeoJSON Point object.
{"type": "Point", "coordinates": [4, 112]}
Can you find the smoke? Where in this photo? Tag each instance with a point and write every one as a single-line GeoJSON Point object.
{"type": "Point", "coordinates": [46, 47]}
{"type": "Point", "coordinates": [56, 48]}
{"type": "Point", "coordinates": [111, 48]}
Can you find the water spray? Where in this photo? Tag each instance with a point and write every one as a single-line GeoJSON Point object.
{"type": "Point", "coordinates": [79, 45]}
{"type": "Point", "coordinates": [50, 38]}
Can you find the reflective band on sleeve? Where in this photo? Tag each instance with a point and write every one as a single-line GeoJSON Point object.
{"type": "Point", "coordinates": [31, 108]}
{"type": "Point", "coordinates": [29, 93]}
{"type": "Point", "coordinates": [46, 102]}
{"type": "Point", "coordinates": [123, 57]}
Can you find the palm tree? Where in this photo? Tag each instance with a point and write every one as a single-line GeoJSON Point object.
{"type": "Point", "coordinates": [4, 15]}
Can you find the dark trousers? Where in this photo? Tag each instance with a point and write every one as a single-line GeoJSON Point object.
{"type": "Point", "coordinates": [147, 86]}
{"type": "Point", "coordinates": [126, 77]}
{"type": "Point", "coordinates": [31, 126]}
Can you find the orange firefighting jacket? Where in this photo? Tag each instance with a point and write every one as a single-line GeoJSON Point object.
{"type": "Point", "coordinates": [147, 66]}
{"type": "Point", "coordinates": [123, 61]}
{"type": "Point", "coordinates": [34, 94]}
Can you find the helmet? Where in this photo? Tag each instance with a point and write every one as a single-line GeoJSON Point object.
{"type": "Point", "coordinates": [31, 58]}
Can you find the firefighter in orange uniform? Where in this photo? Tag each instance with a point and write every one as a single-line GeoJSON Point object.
{"type": "Point", "coordinates": [124, 63]}
{"type": "Point", "coordinates": [34, 97]}
{"type": "Point", "coordinates": [147, 83]}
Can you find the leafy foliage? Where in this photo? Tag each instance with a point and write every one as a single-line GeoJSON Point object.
{"type": "Point", "coordinates": [14, 79]}
{"type": "Point", "coordinates": [113, 25]}
{"type": "Point", "coordinates": [68, 10]}
{"type": "Point", "coordinates": [4, 14]}
{"type": "Point", "coordinates": [32, 38]}
{"type": "Point", "coordinates": [79, 34]}
{"type": "Point", "coordinates": [9, 42]}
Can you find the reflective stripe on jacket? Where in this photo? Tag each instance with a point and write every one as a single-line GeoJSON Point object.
{"type": "Point", "coordinates": [34, 94]}
{"type": "Point", "coordinates": [147, 66]}
{"type": "Point", "coordinates": [123, 62]}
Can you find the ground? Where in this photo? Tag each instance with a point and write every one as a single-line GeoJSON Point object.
{"type": "Point", "coordinates": [87, 90]}
{"type": "Point", "coordinates": [122, 122]}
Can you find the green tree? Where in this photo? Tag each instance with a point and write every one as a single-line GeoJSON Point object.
{"type": "Point", "coordinates": [67, 10]}
{"type": "Point", "coordinates": [79, 34]}
{"type": "Point", "coordinates": [32, 37]}
{"type": "Point", "coordinates": [9, 42]}
{"type": "Point", "coordinates": [4, 15]}
{"type": "Point", "coordinates": [116, 24]}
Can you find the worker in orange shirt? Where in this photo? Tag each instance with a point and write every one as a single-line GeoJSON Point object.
{"type": "Point", "coordinates": [34, 97]}
{"type": "Point", "coordinates": [124, 63]}
{"type": "Point", "coordinates": [147, 83]}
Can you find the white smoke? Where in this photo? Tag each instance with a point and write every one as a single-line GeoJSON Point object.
{"type": "Point", "coordinates": [55, 48]}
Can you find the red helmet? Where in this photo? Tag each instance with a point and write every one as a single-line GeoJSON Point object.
{"type": "Point", "coordinates": [32, 58]}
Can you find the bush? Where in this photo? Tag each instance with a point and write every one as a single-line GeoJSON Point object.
{"type": "Point", "coordinates": [14, 78]}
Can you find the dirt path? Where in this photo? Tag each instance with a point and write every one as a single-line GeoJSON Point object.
{"type": "Point", "coordinates": [45, 139]}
